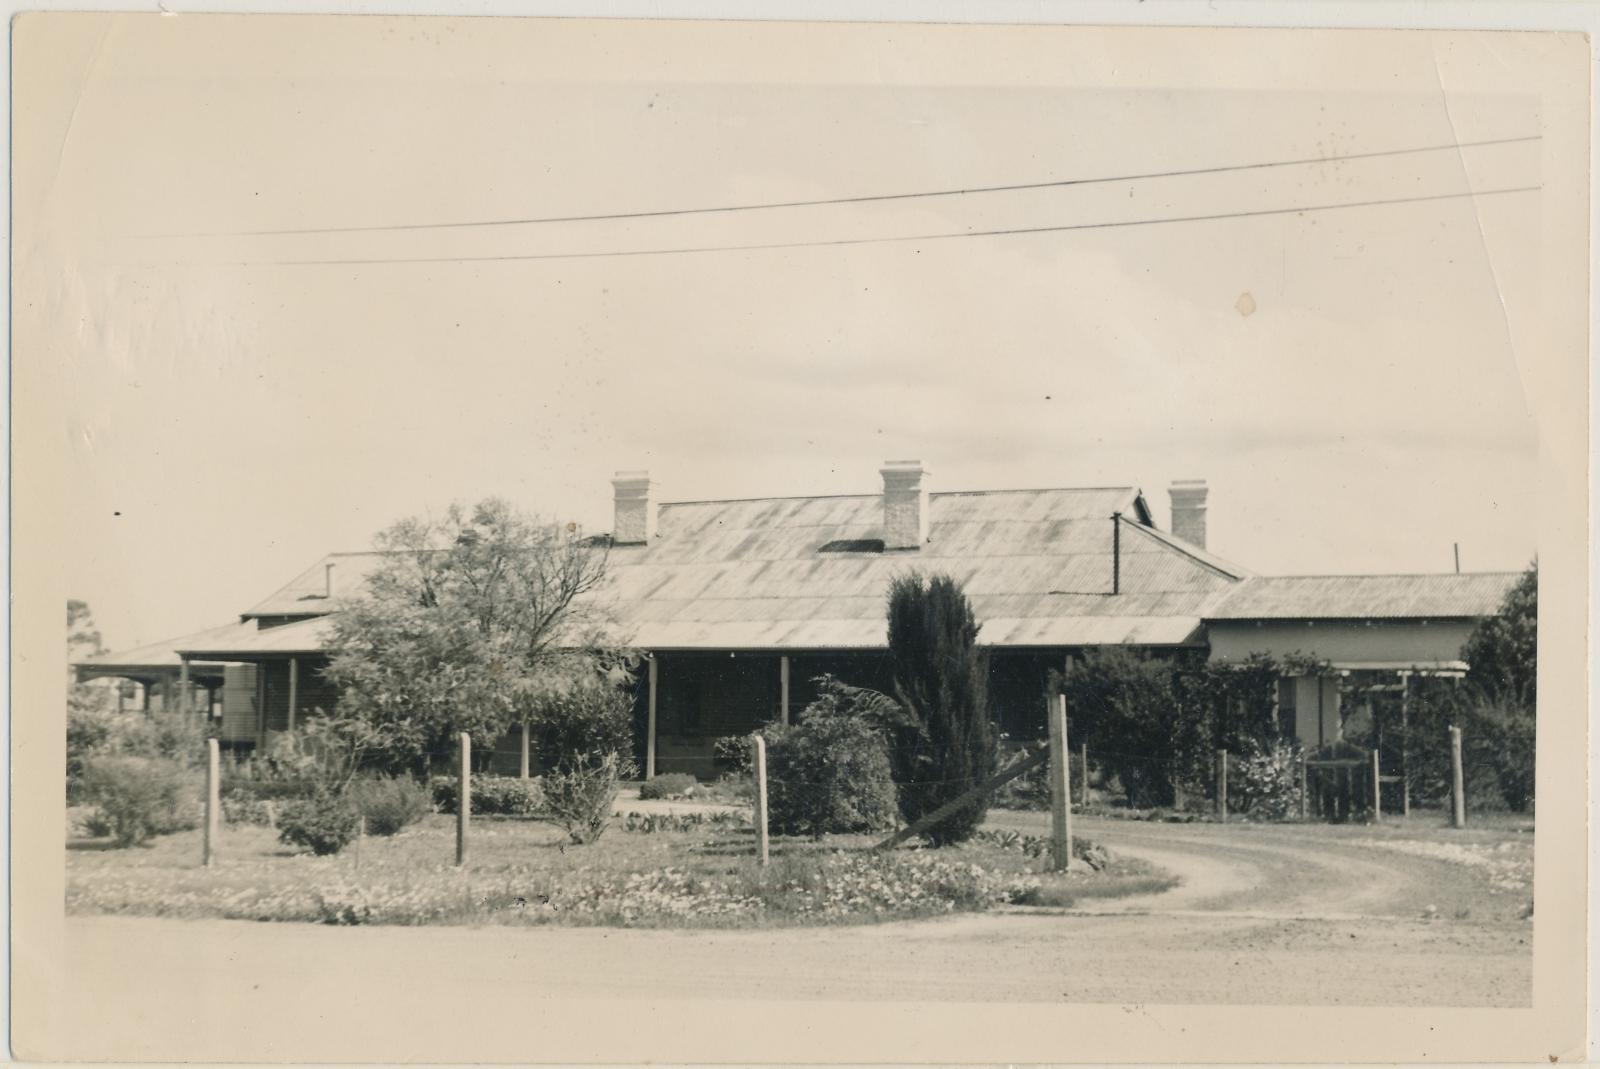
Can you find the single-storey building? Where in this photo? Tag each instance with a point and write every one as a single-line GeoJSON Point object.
{"type": "Point", "coordinates": [741, 604]}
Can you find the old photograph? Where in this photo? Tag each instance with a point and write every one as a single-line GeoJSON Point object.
{"type": "Point", "coordinates": [664, 541]}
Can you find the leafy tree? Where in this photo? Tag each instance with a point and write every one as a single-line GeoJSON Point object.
{"type": "Point", "coordinates": [946, 746]}
{"type": "Point", "coordinates": [90, 724]}
{"type": "Point", "coordinates": [1496, 708]}
{"type": "Point", "coordinates": [1126, 705]}
{"type": "Point", "coordinates": [1503, 650]}
{"type": "Point", "coordinates": [472, 622]}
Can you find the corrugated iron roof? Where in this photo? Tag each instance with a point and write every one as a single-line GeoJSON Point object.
{"type": "Point", "coordinates": [1037, 565]}
{"type": "Point", "coordinates": [1336, 597]}
{"type": "Point", "coordinates": [246, 641]}
{"type": "Point", "coordinates": [752, 574]}
{"type": "Point", "coordinates": [306, 593]}
{"type": "Point", "coordinates": [163, 654]}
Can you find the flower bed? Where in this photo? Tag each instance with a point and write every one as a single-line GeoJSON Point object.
{"type": "Point", "coordinates": [704, 876]}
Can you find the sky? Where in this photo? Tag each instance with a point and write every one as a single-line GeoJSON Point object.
{"type": "Point", "coordinates": [1349, 383]}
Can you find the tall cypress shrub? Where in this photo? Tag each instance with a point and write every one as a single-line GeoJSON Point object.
{"type": "Point", "coordinates": [947, 745]}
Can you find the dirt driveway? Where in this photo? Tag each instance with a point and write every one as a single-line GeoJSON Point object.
{"type": "Point", "coordinates": [1265, 915]}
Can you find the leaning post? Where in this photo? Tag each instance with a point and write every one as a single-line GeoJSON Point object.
{"type": "Point", "coordinates": [1060, 788]}
{"type": "Point", "coordinates": [758, 747]}
{"type": "Point", "coordinates": [213, 800]}
{"type": "Point", "coordinates": [1458, 800]}
{"type": "Point", "coordinates": [463, 798]}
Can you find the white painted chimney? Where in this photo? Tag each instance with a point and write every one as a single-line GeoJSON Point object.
{"type": "Point", "coordinates": [905, 505]}
{"type": "Point", "coordinates": [327, 579]}
{"type": "Point", "coordinates": [635, 522]}
{"type": "Point", "coordinates": [1189, 510]}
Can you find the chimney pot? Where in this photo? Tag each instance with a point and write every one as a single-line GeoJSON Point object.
{"type": "Point", "coordinates": [635, 521]}
{"type": "Point", "coordinates": [905, 504]}
{"type": "Point", "coordinates": [1189, 510]}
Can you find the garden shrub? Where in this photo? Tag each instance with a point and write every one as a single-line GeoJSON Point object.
{"type": "Point", "coordinates": [579, 800]}
{"type": "Point", "coordinates": [166, 736]}
{"type": "Point", "coordinates": [89, 732]}
{"type": "Point", "coordinates": [670, 785]}
{"type": "Point", "coordinates": [591, 720]}
{"type": "Point", "coordinates": [1266, 781]}
{"type": "Point", "coordinates": [324, 824]}
{"type": "Point", "coordinates": [241, 807]}
{"type": "Point", "coordinates": [507, 796]}
{"type": "Point", "coordinates": [946, 746]}
{"type": "Point", "coordinates": [731, 755]}
{"type": "Point", "coordinates": [829, 772]}
{"type": "Point", "coordinates": [141, 796]}
{"type": "Point", "coordinates": [390, 803]}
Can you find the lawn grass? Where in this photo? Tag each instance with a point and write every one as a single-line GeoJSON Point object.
{"type": "Point", "coordinates": [521, 872]}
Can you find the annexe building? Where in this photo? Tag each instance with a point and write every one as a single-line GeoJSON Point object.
{"type": "Point", "coordinates": [741, 604]}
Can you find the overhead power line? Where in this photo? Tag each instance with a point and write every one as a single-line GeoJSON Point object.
{"type": "Point", "coordinates": [1452, 146]}
{"type": "Point", "coordinates": [900, 239]}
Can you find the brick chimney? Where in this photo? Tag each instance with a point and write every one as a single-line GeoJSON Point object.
{"type": "Point", "coordinates": [905, 505]}
{"type": "Point", "coordinates": [635, 522]}
{"type": "Point", "coordinates": [1189, 510]}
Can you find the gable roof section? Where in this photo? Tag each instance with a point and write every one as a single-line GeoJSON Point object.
{"type": "Point", "coordinates": [1037, 565]}
{"type": "Point", "coordinates": [246, 640]}
{"type": "Point", "coordinates": [163, 654]}
{"type": "Point", "coordinates": [1347, 597]}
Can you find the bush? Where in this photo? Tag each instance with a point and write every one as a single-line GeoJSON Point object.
{"type": "Point", "coordinates": [830, 771]}
{"type": "Point", "coordinates": [89, 730]}
{"type": "Point", "coordinates": [168, 736]}
{"type": "Point", "coordinates": [492, 795]}
{"type": "Point", "coordinates": [941, 678]}
{"type": "Point", "coordinates": [271, 790]}
{"type": "Point", "coordinates": [579, 800]}
{"type": "Point", "coordinates": [141, 796]}
{"type": "Point", "coordinates": [667, 786]}
{"type": "Point", "coordinates": [325, 824]}
{"type": "Point", "coordinates": [241, 807]}
{"type": "Point", "coordinates": [1268, 781]}
{"type": "Point", "coordinates": [595, 718]}
{"type": "Point", "coordinates": [731, 755]}
{"type": "Point", "coordinates": [390, 803]}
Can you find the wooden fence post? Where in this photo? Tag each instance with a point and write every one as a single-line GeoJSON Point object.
{"type": "Point", "coordinates": [758, 746]}
{"type": "Point", "coordinates": [463, 798]}
{"type": "Point", "coordinates": [1222, 786]}
{"type": "Point", "coordinates": [1377, 788]}
{"type": "Point", "coordinates": [1083, 789]}
{"type": "Point", "coordinates": [213, 800]}
{"type": "Point", "coordinates": [1060, 789]}
{"type": "Point", "coordinates": [1458, 800]}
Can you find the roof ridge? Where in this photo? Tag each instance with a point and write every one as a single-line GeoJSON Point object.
{"type": "Point", "coordinates": [931, 493]}
{"type": "Point", "coordinates": [778, 497]}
